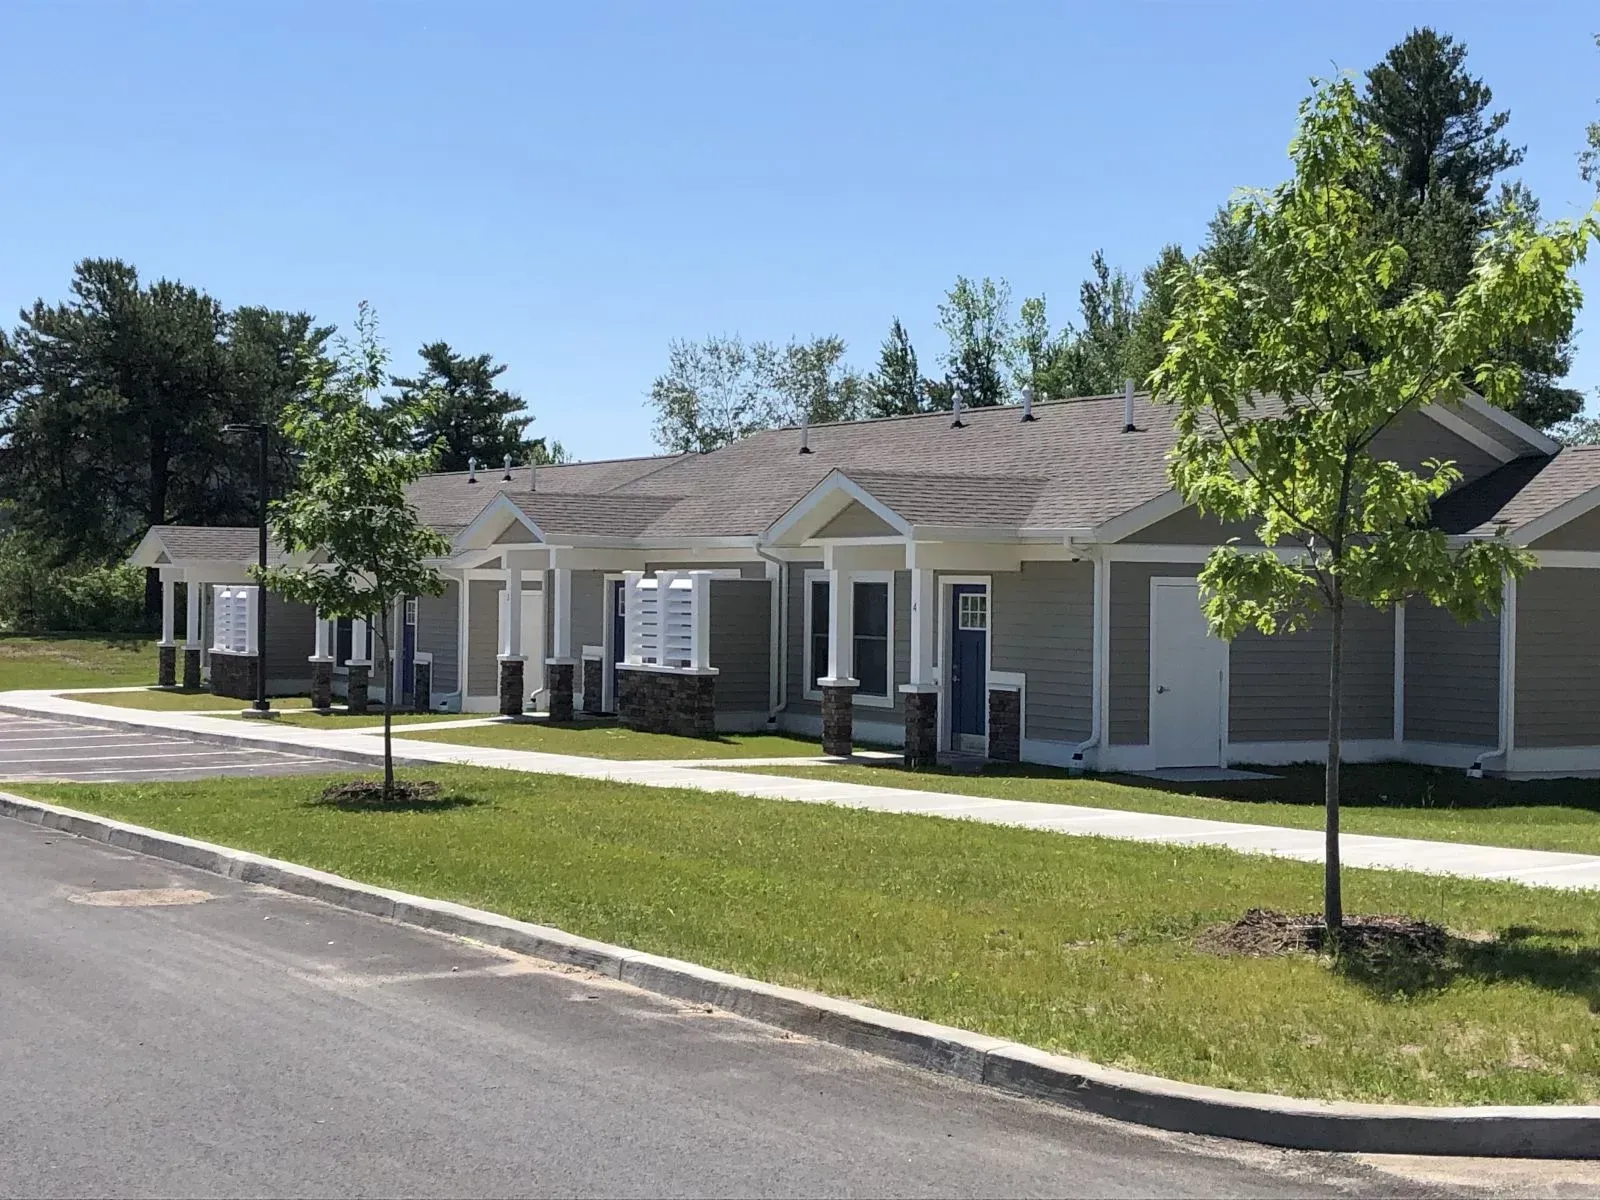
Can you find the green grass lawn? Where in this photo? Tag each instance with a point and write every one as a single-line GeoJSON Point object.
{"type": "Point", "coordinates": [605, 739]}
{"type": "Point", "coordinates": [72, 660]}
{"type": "Point", "coordinates": [1079, 945]}
{"type": "Point", "coordinates": [1392, 799]}
{"type": "Point", "coordinates": [339, 719]}
{"type": "Point", "coordinates": [173, 700]}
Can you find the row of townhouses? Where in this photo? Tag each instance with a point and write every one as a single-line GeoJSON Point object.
{"type": "Point", "coordinates": [1019, 585]}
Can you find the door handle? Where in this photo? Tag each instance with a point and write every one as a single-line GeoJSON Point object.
{"type": "Point", "coordinates": [1161, 689]}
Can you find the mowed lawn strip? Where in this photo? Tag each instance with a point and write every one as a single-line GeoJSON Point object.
{"type": "Point", "coordinates": [338, 718]}
{"type": "Point", "coordinates": [1075, 944]}
{"type": "Point", "coordinates": [604, 739]}
{"type": "Point", "coordinates": [75, 660]}
{"type": "Point", "coordinates": [174, 700]}
{"type": "Point", "coordinates": [1391, 800]}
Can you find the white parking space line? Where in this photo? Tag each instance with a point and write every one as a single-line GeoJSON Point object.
{"type": "Point", "coordinates": [213, 768]}
{"type": "Point", "coordinates": [27, 758]}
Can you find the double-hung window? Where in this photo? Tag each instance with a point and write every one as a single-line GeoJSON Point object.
{"type": "Point", "coordinates": [872, 640]}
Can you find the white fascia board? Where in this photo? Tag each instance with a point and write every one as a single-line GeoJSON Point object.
{"type": "Point", "coordinates": [499, 514]}
{"type": "Point", "coordinates": [1515, 426]}
{"type": "Point", "coordinates": [150, 552]}
{"type": "Point", "coordinates": [1169, 504]}
{"type": "Point", "coordinates": [1537, 528]}
{"type": "Point", "coordinates": [1468, 432]}
{"type": "Point", "coordinates": [824, 502]}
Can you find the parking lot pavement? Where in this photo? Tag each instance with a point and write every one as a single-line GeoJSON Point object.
{"type": "Point", "coordinates": [39, 748]}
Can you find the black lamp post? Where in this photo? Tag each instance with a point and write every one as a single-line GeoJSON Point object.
{"type": "Point", "coordinates": [262, 431]}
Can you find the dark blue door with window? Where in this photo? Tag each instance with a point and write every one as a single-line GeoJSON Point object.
{"type": "Point", "coordinates": [619, 635]}
{"type": "Point", "coordinates": [408, 652]}
{"type": "Point", "coordinates": [969, 666]}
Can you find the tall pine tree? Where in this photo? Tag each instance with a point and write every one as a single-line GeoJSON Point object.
{"type": "Point", "coordinates": [895, 388]}
{"type": "Point", "coordinates": [468, 414]}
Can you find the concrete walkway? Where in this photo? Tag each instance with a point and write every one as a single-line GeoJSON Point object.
{"type": "Point", "coordinates": [1535, 868]}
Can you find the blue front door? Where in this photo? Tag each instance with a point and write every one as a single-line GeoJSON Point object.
{"type": "Point", "coordinates": [969, 666]}
{"type": "Point", "coordinates": [408, 652]}
{"type": "Point", "coordinates": [619, 635]}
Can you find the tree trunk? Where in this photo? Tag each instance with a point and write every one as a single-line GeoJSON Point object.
{"type": "Point", "coordinates": [156, 514]}
{"type": "Point", "coordinates": [1332, 899]}
{"type": "Point", "coordinates": [388, 710]}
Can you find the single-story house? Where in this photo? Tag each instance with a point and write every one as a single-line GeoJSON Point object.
{"type": "Point", "coordinates": [1008, 583]}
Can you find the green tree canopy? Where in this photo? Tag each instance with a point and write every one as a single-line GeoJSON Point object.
{"type": "Point", "coordinates": [467, 414]}
{"type": "Point", "coordinates": [349, 507]}
{"type": "Point", "coordinates": [895, 388]}
{"type": "Point", "coordinates": [975, 319]}
{"type": "Point", "coordinates": [1286, 372]}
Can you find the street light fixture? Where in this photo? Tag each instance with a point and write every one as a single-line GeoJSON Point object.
{"type": "Point", "coordinates": [262, 431]}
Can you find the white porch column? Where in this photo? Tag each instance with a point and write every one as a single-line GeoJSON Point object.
{"type": "Point", "coordinates": [191, 617]}
{"type": "Point", "coordinates": [924, 619]}
{"type": "Point", "coordinates": [321, 626]}
{"type": "Point", "coordinates": [561, 609]}
{"type": "Point", "coordinates": [358, 641]}
{"type": "Point", "coordinates": [169, 601]}
{"type": "Point", "coordinates": [841, 630]}
{"type": "Point", "coordinates": [511, 645]}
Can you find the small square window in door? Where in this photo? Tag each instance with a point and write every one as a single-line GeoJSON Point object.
{"type": "Point", "coordinates": [972, 610]}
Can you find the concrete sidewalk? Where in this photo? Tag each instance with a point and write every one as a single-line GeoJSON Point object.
{"type": "Point", "coordinates": [1535, 868]}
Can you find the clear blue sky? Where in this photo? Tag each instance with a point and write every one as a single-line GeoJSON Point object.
{"type": "Point", "coordinates": [570, 186]}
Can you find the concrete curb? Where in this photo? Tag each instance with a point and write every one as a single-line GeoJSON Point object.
{"type": "Point", "coordinates": [1569, 1131]}
{"type": "Point", "coordinates": [363, 758]}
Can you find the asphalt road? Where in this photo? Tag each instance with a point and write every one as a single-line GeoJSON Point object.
{"type": "Point", "coordinates": [168, 1032]}
{"type": "Point", "coordinates": [44, 748]}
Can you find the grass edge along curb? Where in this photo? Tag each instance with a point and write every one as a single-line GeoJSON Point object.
{"type": "Point", "coordinates": [1558, 1131]}
{"type": "Point", "coordinates": [359, 758]}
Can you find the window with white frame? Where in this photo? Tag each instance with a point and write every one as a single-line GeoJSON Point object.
{"type": "Point", "coordinates": [872, 636]}
{"type": "Point", "coordinates": [972, 610]}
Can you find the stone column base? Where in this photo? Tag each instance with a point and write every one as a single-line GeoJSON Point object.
{"type": "Point", "coordinates": [422, 687]}
{"type": "Point", "coordinates": [675, 702]}
{"type": "Point", "coordinates": [234, 675]}
{"type": "Point", "coordinates": [594, 676]}
{"type": "Point", "coordinates": [838, 719]}
{"type": "Point", "coordinates": [357, 686]}
{"type": "Point", "coordinates": [560, 679]}
{"type": "Point", "coordinates": [512, 693]}
{"type": "Point", "coordinates": [166, 666]}
{"type": "Point", "coordinates": [922, 730]}
{"type": "Point", "coordinates": [191, 668]}
{"type": "Point", "coordinates": [1005, 725]}
{"type": "Point", "coordinates": [322, 683]}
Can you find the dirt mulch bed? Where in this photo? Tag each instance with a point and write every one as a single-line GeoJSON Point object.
{"type": "Point", "coordinates": [366, 795]}
{"type": "Point", "coordinates": [1264, 933]}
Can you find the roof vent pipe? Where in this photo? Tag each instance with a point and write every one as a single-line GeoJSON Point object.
{"type": "Point", "coordinates": [507, 475]}
{"type": "Point", "coordinates": [1027, 404]}
{"type": "Point", "coordinates": [533, 477]}
{"type": "Point", "coordinates": [805, 433]}
{"type": "Point", "coordinates": [1127, 407]}
{"type": "Point", "coordinates": [472, 470]}
{"type": "Point", "coordinates": [955, 407]}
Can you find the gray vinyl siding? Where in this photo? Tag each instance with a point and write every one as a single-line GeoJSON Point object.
{"type": "Point", "coordinates": [483, 637]}
{"type": "Point", "coordinates": [1190, 528]}
{"type": "Point", "coordinates": [1452, 678]}
{"type": "Point", "coordinates": [795, 639]}
{"type": "Point", "coordinates": [1580, 533]}
{"type": "Point", "coordinates": [291, 639]}
{"type": "Point", "coordinates": [741, 640]}
{"type": "Point", "coordinates": [1558, 658]}
{"type": "Point", "coordinates": [439, 634]}
{"type": "Point", "coordinates": [855, 521]}
{"type": "Point", "coordinates": [1128, 723]}
{"type": "Point", "coordinates": [1042, 625]}
{"type": "Point", "coordinates": [1278, 686]}
{"type": "Point", "coordinates": [588, 610]}
{"type": "Point", "coordinates": [1415, 438]}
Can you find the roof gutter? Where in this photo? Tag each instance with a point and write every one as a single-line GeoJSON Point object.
{"type": "Point", "coordinates": [1508, 684]}
{"type": "Point", "coordinates": [1099, 660]}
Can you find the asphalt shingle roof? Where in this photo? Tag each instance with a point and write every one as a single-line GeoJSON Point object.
{"type": "Point", "coordinates": [231, 543]}
{"type": "Point", "coordinates": [1519, 492]}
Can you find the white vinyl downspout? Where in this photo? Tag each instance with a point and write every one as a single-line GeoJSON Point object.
{"type": "Point", "coordinates": [1100, 661]}
{"type": "Point", "coordinates": [1508, 684]}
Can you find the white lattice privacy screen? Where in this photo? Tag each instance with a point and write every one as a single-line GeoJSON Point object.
{"type": "Point", "coordinates": [233, 618]}
{"type": "Point", "coordinates": [667, 619]}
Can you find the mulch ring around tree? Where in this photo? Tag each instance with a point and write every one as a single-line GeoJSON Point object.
{"type": "Point", "coordinates": [1265, 933]}
{"type": "Point", "coordinates": [367, 795]}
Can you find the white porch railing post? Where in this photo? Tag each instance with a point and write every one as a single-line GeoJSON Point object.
{"type": "Point", "coordinates": [700, 630]}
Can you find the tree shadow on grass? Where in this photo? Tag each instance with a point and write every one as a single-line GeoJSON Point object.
{"type": "Point", "coordinates": [1553, 960]}
{"type": "Point", "coordinates": [367, 795]}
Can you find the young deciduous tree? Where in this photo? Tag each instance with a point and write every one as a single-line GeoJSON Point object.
{"type": "Point", "coordinates": [349, 508]}
{"type": "Point", "coordinates": [1284, 374]}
